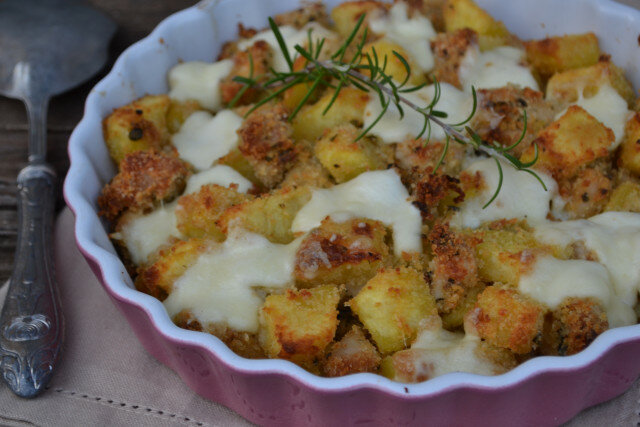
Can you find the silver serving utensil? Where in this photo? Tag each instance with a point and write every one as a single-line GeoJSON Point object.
{"type": "Point", "coordinates": [46, 47]}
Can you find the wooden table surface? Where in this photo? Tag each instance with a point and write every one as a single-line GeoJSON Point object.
{"type": "Point", "coordinates": [135, 20]}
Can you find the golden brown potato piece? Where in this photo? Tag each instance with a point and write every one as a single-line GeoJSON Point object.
{"type": "Point", "coordinates": [236, 160]}
{"type": "Point", "coordinates": [140, 125]}
{"type": "Point", "coordinates": [574, 140]}
{"type": "Point", "coordinates": [243, 343]}
{"type": "Point", "coordinates": [507, 319]}
{"type": "Point", "coordinates": [630, 149]}
{"type": "Point", "coordinates": [146, 178]}
{"type": "Point", "coordinates": [392, 305]}
{"type": "Point", "coordinates": [298, 325]}
{"type": "Point", "coordinates": [307, 171]}
{"type": "Point", "coordinates": [346, 15]}
{"type": "Point", "coordinates": [270, 214]}
{"type": "Point", "coordinates": [178, 112]}
{"type": "Point", "coordinates": [565, 87]}
{"type": "Point", "coordinates": [157, 278]}
{"type": "Point", "coordinates": [561, 53]}
{"type": "Point", "coordinates": [453, 268]}
{"type": "Point", "coordinates": [344, 157]}
{"type": "Point", "coordinates": [352, 354]}
{"type": "Point", "coordinates": [573, 326]}
{"type": "Point", "coordinates": [197, 213]}
{"type": "Point", "coordinates": [449, 49]}
{"type": "Point", "coordinates": [252, 62]}
{"type": "Point", "coordinates": [467, 14]}
{"type": "Point", "coordinates": [417, 158]}
{"type": "Point", "coordinates": [348, 107]}
{"type": "Point", "coordinates": [313, 11]}
{"type": "Point", "coordinates": [588, 193]}
{"type": "Point", "coordinates": [506, 249]}
{"type": "Point", "coordinates": [266, 143]}
{"type": "Point", "coordinates": [435, 195]}
{"type": "Point", "coordinates": [348, 253]}
{"type": "Point", "coordinates": [500, 116]}
{"type": "Point", "coordinates": [625, 198]}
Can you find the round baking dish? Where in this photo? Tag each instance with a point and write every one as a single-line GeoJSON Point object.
{"type": "Point", "coordinates": [542, 391]}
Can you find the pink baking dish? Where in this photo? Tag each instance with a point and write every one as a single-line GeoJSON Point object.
{"type": "Point", "coordinates": [542, 391]}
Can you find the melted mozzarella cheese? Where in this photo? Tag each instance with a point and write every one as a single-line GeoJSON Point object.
{"type": "Point", "coordinates": [204, 138]}
{"type": "Point", "coordinates": [199, 81]}
{"type": "Point", "coordinates": [412, 34]}
{"type": "Point", "coordinates": [144, 234]}
{"type": "Point", "coordinates": [391, 128]}
{"type": "Point", "coordinates": [377, 195]}
{"type": "Point", "coordinates": [609, 108]}
{"type": "Point", "coordinates": [292, 37]}
{"type": "Point", "coordinates": [220, 174]}
{"type": "Point", "coordinates": [551, 280]}
{"type": "Point", "coordinates": [495, 68]}
{"type": "Point", "coordinates": [449, 352]}
{"type": "Point", "coordinates": [614, 237]}
{"type": "Point", "coordinates": [521, 196]}
{"type": "Point", "coordinates": [220, 286]}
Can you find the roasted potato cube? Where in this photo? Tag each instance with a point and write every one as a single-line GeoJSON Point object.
{"type": "Point", "coordinates": [145, 179]}
{"type": "Point", "coordinates": [449, 51]}
{"type": "Point", "coordinates": [566, 86]}
{"type": "Point", "coordinates": [573, 326]}
{"type": "Point", "coordinates": [309, 12]}
{"type": "Point", "coordinates": [348, 253]}
{"type": "Point", "coordinates": [391, 306]}
{"type": "Point", "coordinates": [574, 140]}
{"type": "Point", "coordinates": [298, 325]}
{"type": "Point", "coordinates": [417, 158]}
{"type": "Point", "coordinates": [453, 268]}
{"type": "Point", "coordinates": [344, 157]}
{"type": "Point", "coordinates": [352, 354]}
{"type": "Point", "coordinates": [435, 194]}
{"type": "Point", "coordinates": [500, 116]}
{"type": "Point", "coordinates": [307, 171]}
{"type": "Point", "coordinates": [507, 249]}
{"type": "Point", "coordinates": [157, 278]}
{"type": "Point", "coordinates": [270, 215]}
{"type": "Point", "coordinates": [561, 53]}
{"type": "Point", "coordinates": [178, 112]}
{"type": "Point", "coordinates": [348, 107]}
{"type": "Point", "coordinates": [630, 149]}
{"type": "Point", "coordinates": [346, 15]}
{"type": "Point", "coordinates": [395, 68]}
{"type": "Point", "coordinates": [141, 125]}
{"type": "Point", "coordinates": [588, 193]}
{"type": "Point", "coordinates": [507, 319]}
{"type": "Point", "coordinates": [236, 160]}
{"type": "Point", "coordinates": [197, 213]}
{"type": "Point", "coordinates": [625, 198]}
{"type": "Point", "coordinates": [252, 62]}
{"type": "Point", "coordinates": [467, 14]}
{"type": "Point", "coordinates": [454, 319]}
{"type": "Point", "coordinates": [266, 143]}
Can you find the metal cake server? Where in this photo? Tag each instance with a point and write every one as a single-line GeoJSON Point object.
{"type": "Point", "coordinates": [46, 47]}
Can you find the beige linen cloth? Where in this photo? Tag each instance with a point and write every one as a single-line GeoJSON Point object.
{"type": "Point", "coordinates": [105, 377]}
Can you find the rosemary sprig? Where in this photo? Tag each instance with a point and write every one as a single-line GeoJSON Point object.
{"type": "Point", "coordinates": [368, 72]}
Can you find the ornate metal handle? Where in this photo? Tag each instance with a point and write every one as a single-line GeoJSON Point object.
{"type": "Point", "coordinates": [31, 321]}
